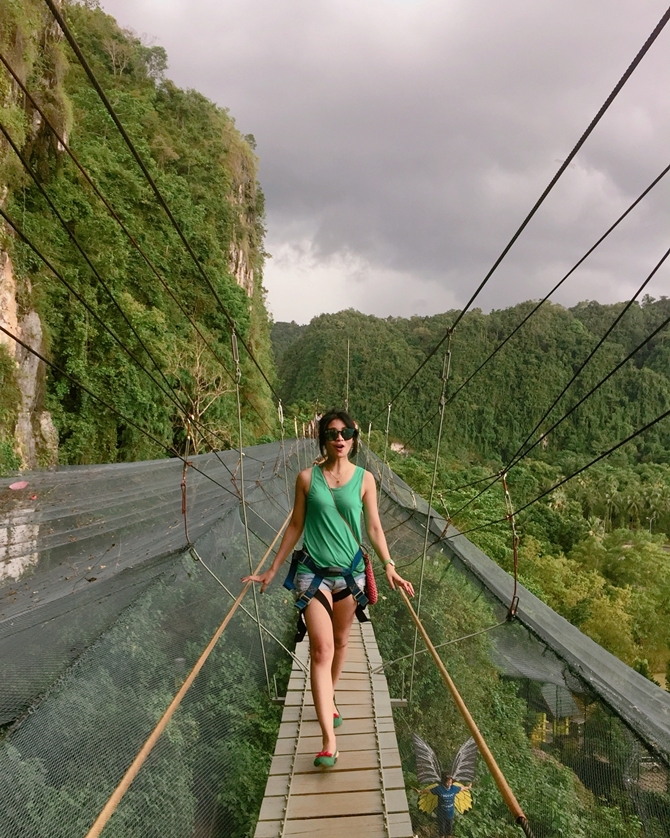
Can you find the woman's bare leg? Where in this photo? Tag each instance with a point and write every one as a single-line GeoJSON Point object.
{"type": "Point", "coordinates": [322, 649]}
{"type": "Point", "coordinates": [343, 617]}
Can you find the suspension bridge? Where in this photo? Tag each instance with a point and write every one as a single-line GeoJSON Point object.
{"type": "Point", "coordinates": [125, 712]}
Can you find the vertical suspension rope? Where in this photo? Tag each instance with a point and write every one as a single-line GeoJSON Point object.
{"type": "Point", "coordinates": [238, 378]}
{"type": "Point", "coordinates": [367, 452]}
{"type": "Point", "coordinates": [346, 397]}
{"type": "Point", "coordinates": [446, 370]}
{"type": "Point", "coordinates": [386, 445]}
{"type": "Point", "coordinates": [184, 510]}
{"type": "Point", "coordinates": [297, 442]}
{"type": "Point", "coordinates": [280, 413]}
{"type": "Point", "coordinates": [515, 547]}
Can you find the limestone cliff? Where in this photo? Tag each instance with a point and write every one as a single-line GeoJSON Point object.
{"type": "Point", "coordinates": [207, 171]}
{"type": "Point", "coordinates": [34, 434]}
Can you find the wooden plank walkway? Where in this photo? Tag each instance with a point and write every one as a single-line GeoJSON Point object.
{"type": "Point", "coordinates": [363, 796]}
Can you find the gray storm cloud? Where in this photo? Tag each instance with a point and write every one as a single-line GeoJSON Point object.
{"type": "Point", "coordinates": [402, 143]}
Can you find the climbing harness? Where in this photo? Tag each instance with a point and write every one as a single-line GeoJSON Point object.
{"type": "Point", "coordinates": [321, 573]}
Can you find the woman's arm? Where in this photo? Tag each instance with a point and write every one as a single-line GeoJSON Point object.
{"type": "Point", "coordinates": [292, 534]}
{"type": "Point", "coordinates": [376, 535]}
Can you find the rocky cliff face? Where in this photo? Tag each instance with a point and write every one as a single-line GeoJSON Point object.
{"type": "Point", "coordinates": [208, 170]}
{"type": "Point", "coordinates": [36, 438]}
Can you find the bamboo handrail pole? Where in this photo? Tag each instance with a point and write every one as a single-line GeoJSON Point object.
{"type": "Point", "coordinates": [137, 763]}
{"type": "Point", "coordinates": [489, 759]}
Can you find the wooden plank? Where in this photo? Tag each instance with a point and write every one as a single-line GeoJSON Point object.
{"type": "Point", "coordinates": [370, 826]}
{"type": "Point", "coordinates": [345, 742]}
{"type": "Point", "coordinates": [354, 675]}
{"type": "Point", "coordinates": [343, 802]}
{"type": "Point", "coordinates": [267, 829]}
{"type": "Point", "coordinates": [391, 758]}
{"type": "Point", "coordinates": [288, 730]}
{"type": "Point", "coordinates": [354, 666]}
{"type": "Point", "coordinates": [331, 805]}
{"type": "Point", "coordinates": [290, 714]}
{"type": "Point", "coordinates": [388, 740]}
{"type": "Point", "coordinates": [396, 800]}
{"type": "Point", "coordinates": [393, 778]}
{"type": "Point", "coordinates": [402, 827]}
{"type": "Point", "coordinates": [353, 711]}
{"type": "Point", "coordinates": [352, 684]}
{"type": "Point", "coordinates": [284, 747]}
{"type": "Point", "coordinates": [347, 761]}
{"type": "Point", "coordinates": [277, 785]}
{"type": "Point", "coordinates": [272, 809]}
{"type": "Point", "coordinates": [331, 782]}
{"type": "Point", "coordinates": [344, 697]}
{"type": "Point", "coordinates": [313, 728]}
{"type": "Point", "coordinates": [281, 764]}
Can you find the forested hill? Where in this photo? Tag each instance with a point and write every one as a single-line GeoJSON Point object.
{"type": "Point", "coordinates": [492, 415]}
{"type": "Point", "coordinates": [596, 549]}
{"type": "Point", "coordinates": [206, 169]}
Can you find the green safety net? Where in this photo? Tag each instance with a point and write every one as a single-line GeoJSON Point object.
{"type": "Point", "coordinates": [104, 611]}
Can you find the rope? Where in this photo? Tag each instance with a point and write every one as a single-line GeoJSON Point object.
{"type": "Point", "coordinates": [238, 376]}
{"type": "Point", "coordinates": [540, 304]}
{"type": "Point", "coordinates": [596, 119]}
{"type": "Point", "coordinates": [446, 370]}
{"type": "Point", "coordinates": [115, 216]}
{"type": "Point", "coordinates": [520, 454]}
{"type": "Point", "coordinates": [117, 340]}
{"type": "Point", "coordinates": [514, 604]}
{"type": "Point", "coordinates": [570, 477]}
{"type": "Point", "coordinates": [489, 759]}
{"type": "Point", "coordinates": [384, 666]}
{"type": "Point", "coordinates": [184, 508]}
{"type": "Point", "coordinates": [126, 419]}
{"type": "Point", "coordinates": [280, 412]}
{"type": "Point", "coordinates": [297, 442]}
{"type": "Point", "coordinates": [161, 200]}
{"type": "Point", "coordinates": [561, 281]}
{"type": "Point", "coordinates": [90, 264]}
{"type": "Point", "coordinates": [171, 395]}
{"type": "Point", "coordinates": [131, 773]}
{"type": "Point", "coordinates": [198, 558]}
{"type": "Point", "coordinates": [386, 445]}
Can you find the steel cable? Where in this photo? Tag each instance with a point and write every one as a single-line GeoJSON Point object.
{"type": "Point", "coordinates": [104, 325]}
{"type": "Point", "coordinates": [145, 171]}
{"type": "Point", "coordinates": [61, 140]}
{"type": "Point", "coordinates": [106, 404]}
{"type": "Point", "coordinates": [520, 454]}
{"type": "Point", "coordinates": [560, 483]}
{"type": "Point", "coordinates": [603, 109]}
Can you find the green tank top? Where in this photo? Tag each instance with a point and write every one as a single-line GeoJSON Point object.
{"type": "Point", "coordinates": [327, 538]}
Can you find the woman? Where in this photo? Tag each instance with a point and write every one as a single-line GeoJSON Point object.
{"type": "Point", "coordinates": [328, 502]}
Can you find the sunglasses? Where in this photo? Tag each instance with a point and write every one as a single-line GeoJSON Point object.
{"type": "Point", "coordinates": [346, 433]}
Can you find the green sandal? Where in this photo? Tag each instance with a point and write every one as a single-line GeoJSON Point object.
{"type": "Point", "coordinates": [337, 717]}
{"type": "Point", "coordinates": [326, 759]}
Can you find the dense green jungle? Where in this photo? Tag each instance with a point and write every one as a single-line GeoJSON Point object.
{"type": "Point", "coordinates": [207, 171]}
{"type": "Point", "coordinates": [595, 550]}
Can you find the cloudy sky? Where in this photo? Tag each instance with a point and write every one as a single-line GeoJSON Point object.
{"type": "Point", "coordinates": [403, 141]}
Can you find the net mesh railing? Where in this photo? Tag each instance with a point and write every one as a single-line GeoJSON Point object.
{"type": "Point", "coordinates": [122, 613]}
{"type": "Point", "coordinates": [576, 765]}
{"type": "Point", "coordinates": [110, 612]}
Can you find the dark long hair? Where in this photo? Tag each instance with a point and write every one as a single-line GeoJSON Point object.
{"type": "Point", "coordinates": [326, 419]}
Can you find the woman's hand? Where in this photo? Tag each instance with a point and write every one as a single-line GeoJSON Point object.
{"type": "Point", "coordinates": [394, 578]}
{"type": "Point", "coordinates": [263, 578]}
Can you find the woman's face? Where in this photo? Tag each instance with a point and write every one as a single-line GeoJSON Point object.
{"type": "Point", "coordinates": [339, 447]}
